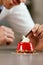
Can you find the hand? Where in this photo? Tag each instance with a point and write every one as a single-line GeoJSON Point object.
{"type": "Point", "coordinates": [38, 32]}
{"type": "Point", "coordinates": [6, 35]}
{"type": "Point", "coordinates": [10, 3]}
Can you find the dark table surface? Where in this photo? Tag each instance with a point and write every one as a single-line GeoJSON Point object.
{"type": "Point", "coordinates": [13, 58]}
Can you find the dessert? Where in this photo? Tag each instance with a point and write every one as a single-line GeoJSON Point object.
{"type": "Point", "coordinates": [25, 46]}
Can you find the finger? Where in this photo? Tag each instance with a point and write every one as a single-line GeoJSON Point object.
{"type": "Point", "coordinates": [41, 35]}
{"type": "Point", "coordinates": [9, 40]}
{"type": "Point", "coordinates": [39, 31]}
{"type": "Point", "coordinates": [39, 46]}
{"type": "Point", "coordinates": [12, 3]}
{"type": "Point", "coordinates": [15, 2]}
{"type": "Point", "coordinates": [9, 30]}
{"type": "Point", "coordinates": [2, 41]}
{"type": "Point", "coordinates": [9, 35]}
{"type": "Point", "coordinates": [34, 30]}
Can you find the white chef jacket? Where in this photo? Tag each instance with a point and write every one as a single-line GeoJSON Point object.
{"type": "Point", "coordinates": [20, 20]}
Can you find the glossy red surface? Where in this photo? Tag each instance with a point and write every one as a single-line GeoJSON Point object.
{"type": "Point", "coordinates": [25, 47]}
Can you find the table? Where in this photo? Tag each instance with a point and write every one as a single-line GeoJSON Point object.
{"type": "Point", "coordinates": [13, 58]}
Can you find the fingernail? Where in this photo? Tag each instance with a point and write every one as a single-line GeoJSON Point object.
{"type": "Point", "coordinates": [33, 30]}
{"type": "Point", "coordinates": [34, 34]}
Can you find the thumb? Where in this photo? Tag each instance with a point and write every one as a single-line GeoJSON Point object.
{"type": "Point", "coordinates": [35, 29]}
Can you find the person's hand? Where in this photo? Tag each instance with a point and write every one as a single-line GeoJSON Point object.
{"type": "Point", "coordinates": [38, 32]}
{"type": "Point", "coordinates": [10, 3]}
{"type": "Point", "coordinates": [6, 35]}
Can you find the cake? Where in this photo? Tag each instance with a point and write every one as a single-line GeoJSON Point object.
{"type": "Point", "coordinates": [25, 46]}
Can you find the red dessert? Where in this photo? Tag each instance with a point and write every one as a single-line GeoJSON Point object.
{"type": "Point", "coordinates": [25, 47]}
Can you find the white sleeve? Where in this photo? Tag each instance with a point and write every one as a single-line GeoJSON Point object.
{"type": "Point", "coordinates": [21, 20]}
{"type": "Point", "coordinates": [3, 13]}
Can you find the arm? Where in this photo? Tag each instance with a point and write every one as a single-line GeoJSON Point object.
{"type": "Point", "coordinates": [38, 32]}
{"type": "Point", "coordinates": [36, 36]}
{"type": "Point", "coordinates": [10, 3]}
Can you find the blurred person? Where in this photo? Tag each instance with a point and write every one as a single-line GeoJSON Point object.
{"type": "Point", "coordinates": [25, 23]}
{"type": "Point", "coordinates": [21, 15]}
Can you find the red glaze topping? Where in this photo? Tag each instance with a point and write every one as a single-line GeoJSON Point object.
{"type": "Point", "coordinates": [25, 46]}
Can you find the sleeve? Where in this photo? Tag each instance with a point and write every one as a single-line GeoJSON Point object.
{"type": "Point", "coordinates": [21, 20]}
